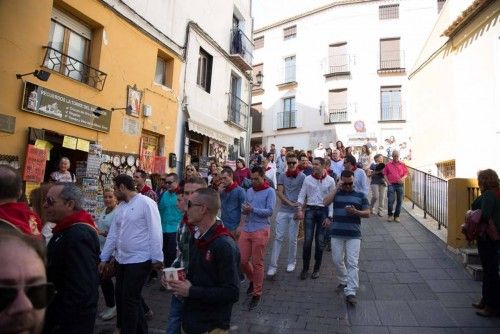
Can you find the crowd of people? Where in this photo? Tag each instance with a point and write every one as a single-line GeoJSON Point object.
{"type": "Point", "coordinates": [212, 231]}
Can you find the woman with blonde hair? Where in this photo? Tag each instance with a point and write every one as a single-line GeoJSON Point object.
{"type": "Point", "coordinates": [489, 203]}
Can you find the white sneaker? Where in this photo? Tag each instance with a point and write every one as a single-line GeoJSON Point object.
{"type": "Point", "coordinates": [271, 271]}
{"type": "Point", "coordinates": [290, 268]}
{"type": "Point", "coordinates": [109, 314]}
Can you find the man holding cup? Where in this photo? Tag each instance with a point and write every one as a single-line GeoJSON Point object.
{"type": "Point", "coordinates": [212, 282]}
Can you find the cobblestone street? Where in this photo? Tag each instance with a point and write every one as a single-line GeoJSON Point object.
{"type": "Point", "coordinates": [409, 283]}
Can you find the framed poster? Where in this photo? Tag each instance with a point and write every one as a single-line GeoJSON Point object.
{"type": "Point", "coordinates": [134, 97]}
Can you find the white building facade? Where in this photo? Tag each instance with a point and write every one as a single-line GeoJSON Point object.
{"type": "Point", "coordinates": [455, 90]}
{"type": "Point", "coordinates": [215, 39]}
{"type": "Point", "coordinates": [339, 72]}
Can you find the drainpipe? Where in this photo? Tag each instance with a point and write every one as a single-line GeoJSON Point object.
{"type": "Point", "coordinates": [249, 118]}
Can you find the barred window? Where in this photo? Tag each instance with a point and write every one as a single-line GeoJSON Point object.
{"type": "Point", "coordinates": [388, 12]}
{"type": "Point", "coordinates": [258, 42]}
{"type": "Point", "coordinates": [290, 32]}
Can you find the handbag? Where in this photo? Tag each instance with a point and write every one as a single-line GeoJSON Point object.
{"type": "Point", "coordinates": [474, 227]}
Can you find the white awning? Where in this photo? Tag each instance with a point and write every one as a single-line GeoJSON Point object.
{"type": "Point", "coordinates": [209, 132]}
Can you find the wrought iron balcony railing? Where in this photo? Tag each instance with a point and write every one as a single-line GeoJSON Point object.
{"type": "Point", "coordinates": [73, 68]}
{"type": "Point", "coordinates": [286, 119]}
{"type": "Point", "coordinates": [391, 111]}
{"type": "Point", "coordinates": [241, 45]}
{"type": "Point", "coordinates": [338, 65]}
{"type": "Point", "coordinates": [237, 112]}
{"type": "Point", "coordinates": [392, 61]}
{"type": "Point", "coordinates": [338, 114]}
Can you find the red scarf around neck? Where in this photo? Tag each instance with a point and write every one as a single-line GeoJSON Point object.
{"type": "Point", "coordinates": [354, 168]}
{"type": "Point", "coordinates": [231, 187]}
{"type": "Point", "coordinates": [300, 168]}
{"type": "Point", "coordinates": [219, 231]}
{"type": "Point", "coordinates": [263, 186]}
{"type": "Point", "coordinates": [82, 217]}
{"type": "Point", "coordinates": [320, 178]}
{"type": "Point", "coordinates": [292, 173]}
{"type": "Point", "coordinates": [177, 190]}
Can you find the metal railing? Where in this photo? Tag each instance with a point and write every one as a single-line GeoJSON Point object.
{"type": "Point", "coordinates": [73, 68]}
{"type": "Point", "coordinates": [237, 111]}
{"type": "Point", "coordinates": [286, 119]}
{"type": "Point", "coordinates": [337, 114]}
{"type": "Point", "coordinates": [241, 44]}
{"type": "Point", "coordinates": [392, 60]}
{"type": "Point", "coordinates": [391, 111]}
{"type": "Point", "coordinates": [429, 193]}
{"type": "Point", "coordinates": [338, 64]}
{"type": "Point", "coordinates": [472, 194]}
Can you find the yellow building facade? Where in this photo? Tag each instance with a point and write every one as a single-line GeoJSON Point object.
{"type": "Point", "coordinates": [98, 61]}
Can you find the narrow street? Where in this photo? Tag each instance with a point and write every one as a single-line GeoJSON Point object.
{"type": "Point", "coordinates": [409, 283]}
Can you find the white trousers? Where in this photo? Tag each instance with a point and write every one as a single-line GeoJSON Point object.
{"type": "Point", "coordinates": [285, 223]}
{"type": "Point", "coordinates": [345, 255]}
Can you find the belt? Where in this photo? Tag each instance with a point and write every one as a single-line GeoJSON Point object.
{"type": "Point", "coordinates": [315, 207]}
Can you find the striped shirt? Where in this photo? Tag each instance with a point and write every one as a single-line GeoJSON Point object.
{"type": "Point", "coordinates": [345, 225]}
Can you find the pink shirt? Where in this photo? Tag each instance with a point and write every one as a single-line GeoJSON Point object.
{"type": "Point", "coordinates": [394, 171]}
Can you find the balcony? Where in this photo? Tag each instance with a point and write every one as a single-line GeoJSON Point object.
{"type": "Point", "coordinates": [392, 112]}
{"type": "Point", "coordinates": [241, 50]}
{"type": "Point", "coordinates": [73, 68]}
{"type": "Point", "coordinates": [391, 62]}
{"type": "Point", "coordinates": [286, 120]}
{"type": "Point", "coordinates": [338, 65]}
{"type": "Point", "coordinates": [237, 112]}
{"type": "Point", "coordinates": [339, 114]}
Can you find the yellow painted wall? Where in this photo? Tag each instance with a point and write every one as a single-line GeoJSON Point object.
{"type": "Point", "coordinates": [118, 49]}
{"type": "Point", "coordinates": [458, 204]}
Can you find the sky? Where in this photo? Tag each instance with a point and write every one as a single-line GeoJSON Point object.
{"type": "Point", "coordinates": [266, 12]}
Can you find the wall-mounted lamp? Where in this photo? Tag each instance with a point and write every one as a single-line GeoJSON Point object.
{"type": "Point", "coordinates": [99, 111]}
{"type": "Point", "coordinates": [259, 77]}
{"type": "Point", "coordinates": [40, 74]}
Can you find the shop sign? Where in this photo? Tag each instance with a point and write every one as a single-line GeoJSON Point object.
{"type": "Point", "coordinates": [34, 165]}
{"type": "Point", "coordinates": [7, 123]}
{"type": "Point", "coordinates": [48, 103]}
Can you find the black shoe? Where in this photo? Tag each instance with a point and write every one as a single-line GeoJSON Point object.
{"type": "Point", "coordinates": [304, 274]}
{"type": "Point", "coordinates": [340, 288]}
{"type": "Point", "coordinates": [351, 299]}
{"type": "Point", "coordinates": [250, 289]}
{"type": "Point", "coordinates": [315, 274]}
{"type": "Point", "coordinates": [254, 302]}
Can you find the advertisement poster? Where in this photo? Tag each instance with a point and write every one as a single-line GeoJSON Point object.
{"type": "Point", "coordinates": [134, 97]}
{"type": "Point", "coordinates": [34, 165]}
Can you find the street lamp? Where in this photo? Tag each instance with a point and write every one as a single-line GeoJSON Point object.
{"type": "Point", "coordinates": [39, 74]}
{"type": "Point", "coordinates": [259, 76]}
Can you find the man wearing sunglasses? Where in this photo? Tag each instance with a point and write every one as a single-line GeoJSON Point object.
{"type": "Point", "coordinates": [289, 185]}
{"type": "Point", "coordinates": [24, 291]}
{"type": "Point", "coordinates": [14, 214]}
{"type": "Point", "coordinates": [73, 255]}
{"type": "Point", "coordinates": [349, 206]}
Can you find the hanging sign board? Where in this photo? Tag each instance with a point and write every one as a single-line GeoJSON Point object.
{"type": "Point", "coordinates": [34, 165]}
{"type": "Point", "coordinates": [49, 103]}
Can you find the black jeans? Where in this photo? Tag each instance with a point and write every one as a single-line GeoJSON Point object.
{"type": "Point", "coordinates": [108, 291]}
{"type": "Point", "coordinates": [169, 248]}
{"type": "Point", "coordinates": [488, 252]}
{"type": "Point", "coordinates": [313, 229]}
{"type": "Point", "coordinates": [130, 279]}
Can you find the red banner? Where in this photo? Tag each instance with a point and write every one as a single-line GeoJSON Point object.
{"type": "Point", "coordinates": [34, 165]}
{"type": "Point", "coordinates": [159, 164]}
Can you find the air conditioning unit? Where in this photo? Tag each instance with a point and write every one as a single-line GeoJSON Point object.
{"type": "Point", "coordinates": [147, 110]}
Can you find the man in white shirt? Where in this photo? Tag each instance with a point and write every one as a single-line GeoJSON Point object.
{"type": "Point", "coordinates": [314, 189]}
{"type": "Point", "coordinates": [135, 239]}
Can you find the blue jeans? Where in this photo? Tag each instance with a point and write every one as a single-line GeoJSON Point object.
{"type": "Point", "coordinates": [313, 221]}
{"type": "Point", "coordinates": [175, 317]}
{"type": "Point", "coordinates": [394, 189]}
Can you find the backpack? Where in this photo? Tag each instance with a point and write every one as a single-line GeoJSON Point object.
{"type": "Point", "coordinates": [474, 228]}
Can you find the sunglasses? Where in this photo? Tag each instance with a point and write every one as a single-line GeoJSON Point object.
{"type": "Point", "coordinates": [169, 182]}
{"type": "Point", "coordinates": [191, 204]}
{"type": "Point", "coordinates": [189, 170]}
{"type": "Point", "coordinates": [40, 295]}
{"type": "Point", "coordinates": [347, 183]}
{"type": "Point", "coordinates": [163, 180]}
{"type": "Point", "coordinates": [291, 162]}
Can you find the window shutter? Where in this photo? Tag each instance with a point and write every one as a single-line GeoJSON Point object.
{"type": "Point", "coordinates": [71, 23]}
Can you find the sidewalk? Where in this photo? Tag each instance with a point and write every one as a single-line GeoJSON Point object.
{"type": "Point", "coordinates": [409, 283]}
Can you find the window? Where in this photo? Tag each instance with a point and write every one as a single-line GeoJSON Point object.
{"type": "Point", "coordinates": [256, 113]}
{"type": "Point", "coordinates": [204, 76]}
{"type": "Point", "coordinates": [69, 40]}
{"type": "Point", "coordinates": [290, 69]}
{"type": "Point", "coordinates": [163, 71]}
{"type": "Point", "coordinates": [390, 56]}
{"type": "Point", "coordinates": [256, 69]}
{"type": "Point", "coordinates": [290, 32]}
{"type": "Point", "coordinates": [338, 59]}
{"type": "Point", "coordinates": [440, 4]}
{"type": "Point", "coordinates": [286, 119]}
{"type": "Point", "coordinates": [337, 106]}
{"type": "Point", "coordinates": [390, 104]}
{"type": "Point", "coordinates": [388, 12]}
{"type": "Point", "coordinates": [258, 42]}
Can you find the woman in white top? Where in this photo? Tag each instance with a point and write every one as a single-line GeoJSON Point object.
{"type": "Point", "coordinates": [103, 223]}
{"type": "Point", "coordinates": [63, 174]}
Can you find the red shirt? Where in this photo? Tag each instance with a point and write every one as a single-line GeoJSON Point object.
{"type": "Point", "coordinates": [394, 171]}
